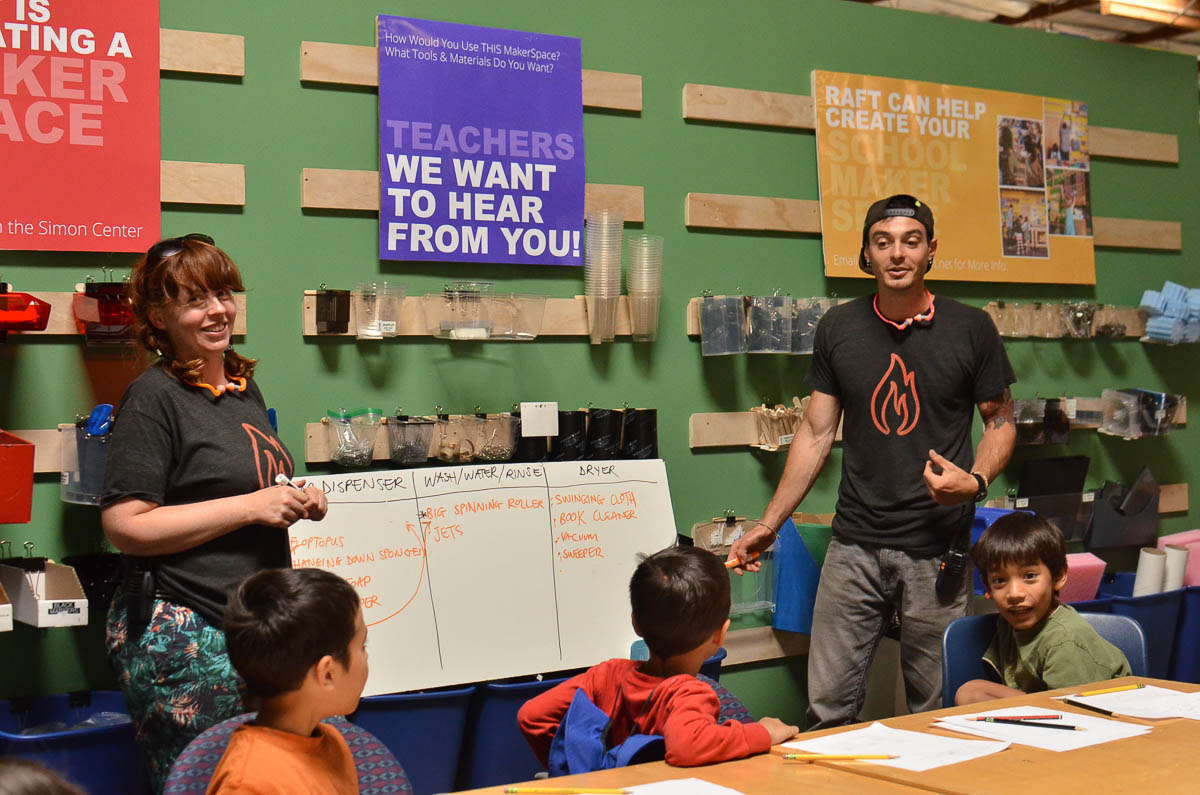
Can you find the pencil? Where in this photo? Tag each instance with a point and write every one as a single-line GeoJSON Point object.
{"type": "Point", "coordinates": [822, 757]}
{"type": "Point", "coordinates": [1019, 717]}
{"type": "Point", "coordinates": [564, 791]}
{"type": "Point", "coordinates": [1112, 690]}
{"type": "Point", "coordinates": [1088, 706]}
{"type": "Point", "coordinates": [1019, 722]}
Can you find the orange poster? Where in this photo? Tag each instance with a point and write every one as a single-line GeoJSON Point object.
{"type": "Point", "coordinates": [1006, 175]}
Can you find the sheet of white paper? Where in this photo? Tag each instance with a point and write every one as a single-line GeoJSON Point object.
{"type": "Point", "coordinates": [916, 751]}
{"type": "Point", "coordinates": [539, 419]}
{"type": "Point", "coordinates": [1096, 730]}
{"type": "Point", "coordinates": [1149, 702]}
{"type": "Point", "coordinates": [683, 786]}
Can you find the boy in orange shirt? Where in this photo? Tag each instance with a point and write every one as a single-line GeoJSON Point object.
{"type": "Point", "coordinates": [680, 600]}
{"type": "Point", "coordinates": [298, 639]}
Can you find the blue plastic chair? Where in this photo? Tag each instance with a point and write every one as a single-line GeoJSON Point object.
{"type": "Point", "coordinates": [710, 667]}
{"type": "Point", "coordinates": [1124, 633]}
{"type": "Point", "coordinates": [104, 760]}
{"type": "Point", "coordinates": [1158, 613]}
{"type": "Point", "coordinates": [494, 750]}
{"type": "Point", "coordinates": [423, 730]}
{"type": "Point", "coordinates": [1185, 661]}
{"type": "Point", "coordinates": [963, 644]}
{"type": "Point", "coordinates": [378, 771]}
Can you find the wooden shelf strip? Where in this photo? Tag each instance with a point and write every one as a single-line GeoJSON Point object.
{"type": "Point", "coordinates": [795, 111]}
{"type": "Point", "coordinates": [1128, 316]}
{"type": "Point", "coordinates": [564, 317]}
{"type": "Point", "coordinates": [185, 182]}
{"type": "Point", "coordinates": [343, 189]}
{"type": "Point", "coordinates": [62, 314]}
{"type": "Point", "coordinates": [803, 216]}
{"type": "Point", "coordinates": [356, 65]}
{"type": "Point", "coordinates": [202, 53]}
{"type": "Point", "coordinates": [757, 644]}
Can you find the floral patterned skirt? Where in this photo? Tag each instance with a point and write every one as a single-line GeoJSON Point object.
{"type": "Point", "coordinates": [176, 677]}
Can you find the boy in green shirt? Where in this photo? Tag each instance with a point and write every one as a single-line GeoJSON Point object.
{"type": "Point", "coordinates": [1041, 644]}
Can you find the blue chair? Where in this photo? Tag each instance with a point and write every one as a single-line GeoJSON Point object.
{"type": "Point", "coordinates": [494, 750]}
{"type": "Point", "coordinates": [378, 770]}
{"type": "Point", "coordinates": [1158, 613]}
{"type": "Point", "coordinates": [1185, 661]}
{"type": "Point", "coordinates": [963, 644]}
{"type": "Point", "coordinates": [1124, 633]}
{"type": "Point", "coordinates": [424, 731]}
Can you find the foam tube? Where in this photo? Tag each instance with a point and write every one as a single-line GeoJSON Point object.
{"type": "Point", "coordinates": [1151, 566]}
{"type": "Point", "coordinates": [1176, 566]}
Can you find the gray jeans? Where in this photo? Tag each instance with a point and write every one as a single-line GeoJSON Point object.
{"type": "Point", "coordinates": [862, 585]}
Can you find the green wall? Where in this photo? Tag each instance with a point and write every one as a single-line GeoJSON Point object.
{"type": "Point", "coordinates": [276, 126]}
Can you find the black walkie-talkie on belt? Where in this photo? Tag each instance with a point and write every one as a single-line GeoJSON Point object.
{"type": "Point", "coordinates": [953, 566]}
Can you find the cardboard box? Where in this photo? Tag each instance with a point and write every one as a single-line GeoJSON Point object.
{"type": "Point", "coordinates": [5, 612]}
{"type": "Point", "coordinates": [16, 479]}
{"type": "Point", "coordinates": [50, 598]}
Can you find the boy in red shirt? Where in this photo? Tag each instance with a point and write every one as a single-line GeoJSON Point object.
{"type": "Point", "coordinates": [298, 639]}
{"type": "Point", "coordinates": [680, 600]}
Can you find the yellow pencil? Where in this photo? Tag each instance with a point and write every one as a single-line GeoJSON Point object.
{"type": "Point", "coordinates": [1111, 690]}
{"type": "Point", "coordinates": [564, 791]}
{"type": "Point", "coordinates": [822, 757]}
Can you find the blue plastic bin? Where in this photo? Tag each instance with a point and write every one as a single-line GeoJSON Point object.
{"type": "Point", "coordinates": [424, 731]}
{"type": "Point", "coordinates": [710, 667]}
{"type": "Point", "coordinates": [1185, 661]}
{"type": "Point", "coordinates": [1118, 584]}
{"type": "Point", "coordinates": [982, 521]}
{"type": "Point", "coordinates": [1101, 605]}
{"type": "Point", "coordinates": [494, 750]}
{"type": "Point", "coordinates": [103, 760]}
{"type": "Point", "coordinates": [1158, 613]}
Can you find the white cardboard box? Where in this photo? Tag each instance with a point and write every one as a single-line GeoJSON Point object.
{"type": "Point", "coordinates": [53, 598]}
{"type": "Point", "coordinates": [5, 612]}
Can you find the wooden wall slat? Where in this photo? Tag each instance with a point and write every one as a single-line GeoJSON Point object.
{"type": "Point", "coordinates": [759, 213]}
{"type": "Point", "coordinates": [357, 65]}
{"type": "Point", "coordinates": [185, 182]}
{"type": "Point", "coordinates": [342, 189]}
{"type": "Point", "coordinates": [203, 53]}
{"type": "Point", "coordinates": [747, 106]}
{"type": "Point", "coordinates": [770, 214]}
{"type": "Point", "coordinates": [796, 111]}
{"type": "Point", "coordinates": [62, 314]}
{"type": "Point", "coordinates": [1133, 144]}
{"type": "Point", "coordinates": [1134, 233]}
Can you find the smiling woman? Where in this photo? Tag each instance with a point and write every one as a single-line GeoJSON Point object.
{"type": "Point", "coordinates": [190, 497]}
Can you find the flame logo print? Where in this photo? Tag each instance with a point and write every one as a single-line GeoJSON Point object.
{"type": "Point", "coordinates": [895, 396]}
{"type": "Point", "coordinates": [270, 457]}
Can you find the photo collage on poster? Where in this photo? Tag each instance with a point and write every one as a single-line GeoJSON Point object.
{"type": "Point", "coordinates": [1043, 167]}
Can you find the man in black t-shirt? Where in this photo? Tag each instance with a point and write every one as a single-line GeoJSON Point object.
{"type": "Point", "coordinates": [906, 375]}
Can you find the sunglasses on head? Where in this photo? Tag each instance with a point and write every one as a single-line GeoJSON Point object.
{"type": "Point", "coordinates": [172, 246]}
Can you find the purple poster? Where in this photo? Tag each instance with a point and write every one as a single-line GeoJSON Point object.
{"type": "Point", "coordinates": [480, 144]}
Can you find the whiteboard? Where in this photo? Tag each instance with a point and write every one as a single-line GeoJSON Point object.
{"type": "Point", "coordinates": [483, 572]}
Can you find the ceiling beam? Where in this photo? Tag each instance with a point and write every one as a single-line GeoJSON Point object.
{"type": "Point", "coordinates": [1044, 11]}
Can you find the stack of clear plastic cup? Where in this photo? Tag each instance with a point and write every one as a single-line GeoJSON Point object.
{"type": "Point", "coordinates": [643, 283]}
{"type": "Point", "coordinates": [377, 309]}
{"type": "Point", "coordinates": [602, 272]}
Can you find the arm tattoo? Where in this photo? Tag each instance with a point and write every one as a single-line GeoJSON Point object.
{"type": "Point", "coordinates": [997, 411]}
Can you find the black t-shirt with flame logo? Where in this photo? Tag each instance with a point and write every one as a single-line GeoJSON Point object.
{"type": "Point", "coordinates": [174, 444]}
{"type": "Point", "coordinates": [902, 394]}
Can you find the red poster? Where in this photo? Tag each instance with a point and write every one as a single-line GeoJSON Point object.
{"type": "Point", "coordinates": [79, 147]}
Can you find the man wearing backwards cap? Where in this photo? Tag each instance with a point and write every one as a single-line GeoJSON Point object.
{"type": "Point", "coordinates": [907, 374]}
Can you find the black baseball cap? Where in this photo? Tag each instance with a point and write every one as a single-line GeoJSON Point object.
{"type": "Point", "coordinates": [899, 206]}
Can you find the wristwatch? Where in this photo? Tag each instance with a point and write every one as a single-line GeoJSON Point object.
{"type": "Point", "coordinates": [980, 495]}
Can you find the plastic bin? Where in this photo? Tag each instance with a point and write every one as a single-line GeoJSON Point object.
{"type": "Point", "coordinates": [494, 750]}
{"type": "Point", "coordinates": [16, 479]}
{"type": "Point", "coordinates": [103, 760]}
{"type": "Point", "coordinates": [982, 521]}
{"type": "Point", "coordinates": [1185, 660]}
{"type": "Point", "coordinates": [424, 731]}
{"type": "Point", "coordinates": [1158, 613]}
{"type": "Point", "coordinates": [1101, 605]}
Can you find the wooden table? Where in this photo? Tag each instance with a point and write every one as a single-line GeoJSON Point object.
{"type": "Point", "coordinates": [1166, 760]}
